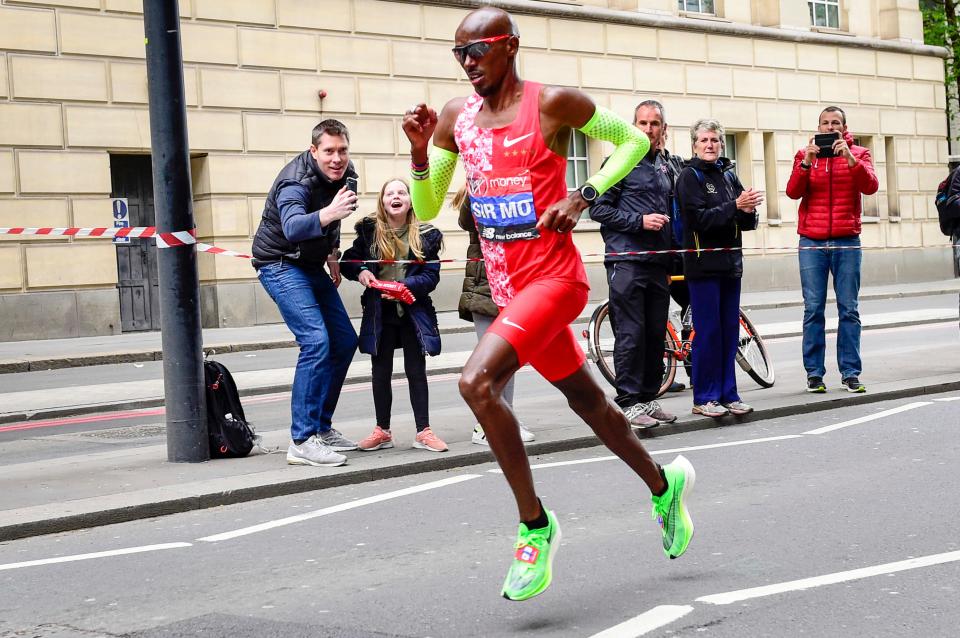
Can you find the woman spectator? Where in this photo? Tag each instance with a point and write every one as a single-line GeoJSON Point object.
{"type": "Point", "coordinates": [476, 304]}
{"type": "Point", "coordinates": [714, 209]}
{"type": "Point", "coordinates": [394, 232]}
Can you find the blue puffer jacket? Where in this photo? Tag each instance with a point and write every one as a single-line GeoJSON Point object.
{"type": "Point", "coordinates": [421, 279]}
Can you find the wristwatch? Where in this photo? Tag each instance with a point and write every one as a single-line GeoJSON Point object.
{"type": "Point", "coordinates": [588, 193]}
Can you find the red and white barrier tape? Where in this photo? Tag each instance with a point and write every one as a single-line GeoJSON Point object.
{"type": "Point", "coordinates": [188, 237]}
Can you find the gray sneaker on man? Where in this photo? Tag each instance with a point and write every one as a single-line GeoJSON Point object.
{"type": "Point", "coordinates": [336, 441]}
{"type": "Point", "coordinates": [655, 411]}
{"type": "Point", "coordinates": [638, 418]}
{"type": "Point", "coordinates": [313, 452]}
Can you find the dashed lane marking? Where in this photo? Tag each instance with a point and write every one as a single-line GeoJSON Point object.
{"type": "Point", "coordinates": [108, 553]}
{"type": "Point", "coordinates": [646, 622]}
{"type": "Point", "coordinates": [386, 496]}
{"type": "Point", "coordinates": [869, 417]}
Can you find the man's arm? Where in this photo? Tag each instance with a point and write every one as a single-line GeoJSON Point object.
{"type": "Point", "coordinates": [607, 211]}
{"type": "Point", "coordinates": [799, 178]}
{"type": "Point", "coordinates": [301, 224]}
{"type": "Point", "coordinates": [864, 178]}
{"type": "Point", "coordinates": [431, 176]}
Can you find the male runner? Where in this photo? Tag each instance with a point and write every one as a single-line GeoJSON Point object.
{"type": "Point", "coordinates": [513, 136]}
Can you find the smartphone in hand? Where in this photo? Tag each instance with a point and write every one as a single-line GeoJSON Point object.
{"type": "Point", "coordinates": [825, 142]}
{"type": "Point", "coordinates": [352, 184]}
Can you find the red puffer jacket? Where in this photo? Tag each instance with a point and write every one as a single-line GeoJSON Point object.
{"type": "Point", "coordinates": [829, 192]}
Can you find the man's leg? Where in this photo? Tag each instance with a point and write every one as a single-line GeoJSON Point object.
{"type": "Point", "coordinates": [814, 267]}
{"type": "Point", "coordinates": [845, 268]}
{"type": "Point", "coordinates": [343, 343]}
{"type": "Point", "coordinates": [627, 318]}
{"type": "Point", "coordinates": [657, 307]}
{"type": "Point", "coordinates": [291, 287]}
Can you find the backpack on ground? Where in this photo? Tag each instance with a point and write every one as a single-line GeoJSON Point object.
{"type": "Point", "coordinates": [227, 428]}
{"type": "Point", "coordinates": [948, 207]}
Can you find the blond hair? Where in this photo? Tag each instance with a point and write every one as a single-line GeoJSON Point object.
{"type": "Point", "coordinates": [385, 237]}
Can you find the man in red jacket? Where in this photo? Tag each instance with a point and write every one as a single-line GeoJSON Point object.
{"type": "Point", "coordinates": [829, 190]}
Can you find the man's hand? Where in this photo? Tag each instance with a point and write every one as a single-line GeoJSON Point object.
{"type": "Point", "coordinates": [334, 267]}
{"type": "Point", "coordinates": [562, 216]}
{"type": "Point", "coordinates": [365, 278]}
{"type": "Point", "coordinates": [840, 148]}
{"type": "Point", "coordinates": [749, 200]}
{"type": "Point", "coordinates": [419, 123]}
{"type": "Point", "coordinates": [811, 152]}
{"type": "Point", "coordinates": [654, 221]}
{"type": "Point", "coordinates": [343, 204]}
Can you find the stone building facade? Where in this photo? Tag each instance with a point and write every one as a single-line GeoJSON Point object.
{"type": "Point", "coordinates": [74, 126]}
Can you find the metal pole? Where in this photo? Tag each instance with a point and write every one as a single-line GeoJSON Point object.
{"type": "Point", "coordinates": [182, 339]}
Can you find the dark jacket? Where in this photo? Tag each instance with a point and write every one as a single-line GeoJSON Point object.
{"type": "Point", "coordinates": [830, 192]}
{"type": "Point", "coordinates": [710, 219]}
{"type": "Point", "coordinates": [271, 243]}
{"type": "Point", "coordinates": [421, 279]}
{"type": "Point", "coordinates": [646, 189]}
{"type": "Point", "coordinates": [948, 211]}
{"type": "Point", "coordinates": [475, 298]}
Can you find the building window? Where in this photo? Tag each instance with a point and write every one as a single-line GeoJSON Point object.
{"type": "Point", "coordinates": [824, 13]}
{"type": "Point", "coordinates": [577, 161]}
{"type": "Point", "coordinates": [730, 149]}
{"type": "Point", "coordinates": [697, 6]}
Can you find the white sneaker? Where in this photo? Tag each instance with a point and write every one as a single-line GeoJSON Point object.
{"type": "Point", "coordinates": [481, 439]}
{"type": "Point", "coordinates": [313, 452]}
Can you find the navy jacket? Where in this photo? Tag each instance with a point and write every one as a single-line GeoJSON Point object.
{"type": "Point", "coordinates": [711, 219]}
{"type": "Point", "coordinates": [421, 279]}
{"type": "Point", "coordinates": [646, 189]}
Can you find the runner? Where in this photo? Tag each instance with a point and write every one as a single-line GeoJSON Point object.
{"type": "Point", "coordinates": [513, 136]}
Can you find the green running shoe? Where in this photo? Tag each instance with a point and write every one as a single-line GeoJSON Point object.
{"type": "Point", "coordinates": [532, 568]}
{"type": "Point", "coordinates": [670, 510]}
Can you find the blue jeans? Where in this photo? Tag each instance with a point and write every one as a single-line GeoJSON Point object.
{"type": "Point", "coordinates": [844, 266]}
{"type": "Point", "coordinates": [715, 304]}
{"type": "Point", "coordinates": [313, 311]}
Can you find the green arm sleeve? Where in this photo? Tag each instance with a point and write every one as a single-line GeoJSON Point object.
{"type": "Point", "coordinates": [632, 146]}
{"type": "Point", "coordinates": [427, 193]}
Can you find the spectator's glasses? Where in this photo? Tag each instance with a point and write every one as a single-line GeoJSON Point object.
{"type": "Point", "coordinates": [478, 48]}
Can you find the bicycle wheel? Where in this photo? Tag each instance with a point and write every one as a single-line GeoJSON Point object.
{"type": "Point", "coordinates": [600, 343]}
{"type": "Point", "coordinates": [670, 347]}
{"type": "Point", "coordinates": [752, 354]}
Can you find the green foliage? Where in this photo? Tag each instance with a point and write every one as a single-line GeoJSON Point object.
{"type": "Point", "coordinates": [941, 28]}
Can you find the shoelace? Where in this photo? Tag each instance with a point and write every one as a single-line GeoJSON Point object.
{"type": "Point", "coordinates": [653, 406]}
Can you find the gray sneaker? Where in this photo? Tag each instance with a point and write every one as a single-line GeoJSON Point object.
{"type": "Point", "coordinates": [638, 418]}
{"type": "Point", "coordinates": [654, 411]}
{"type": "Point", "coordinates": [313, 452]}
{"type": "Point", "coordinates": [336, 441]}
{"type": "Point", "coordinates": [738, 408]}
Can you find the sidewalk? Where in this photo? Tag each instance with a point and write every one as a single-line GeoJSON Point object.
{"type": "Point", "coordinates": [25, 356]}
{"type": "Point", "coordinates": [44, 493]}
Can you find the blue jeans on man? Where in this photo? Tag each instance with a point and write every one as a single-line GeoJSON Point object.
{"type": "Point", "coordinates": [839, 258]}
{"type": "Point", "coordinates": [312, 309]}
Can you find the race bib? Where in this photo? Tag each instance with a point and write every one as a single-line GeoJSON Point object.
{"type": "Point", "coordinates": [503, 207]}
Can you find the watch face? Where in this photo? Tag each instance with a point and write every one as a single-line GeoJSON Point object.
{"type": "Point", "coordinates": [588, 192]}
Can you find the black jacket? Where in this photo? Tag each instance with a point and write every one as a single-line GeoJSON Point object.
{"type": "Point", "coordinates": [421, 279]}
{"type": "Point", "coordinates": [711, 219]}
{"type": "Point", "coordinates": [270, 244]}
{"type": "Point", "coordinates": [646, 189]}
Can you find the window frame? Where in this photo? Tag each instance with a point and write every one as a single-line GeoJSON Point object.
{"type": "Point", "coordinates": [682, 7]}
{"type": "Point", "coordinates": [826, 4]}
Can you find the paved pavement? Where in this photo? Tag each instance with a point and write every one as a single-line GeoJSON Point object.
{"type": "Point", "coordinates": [44, 493]}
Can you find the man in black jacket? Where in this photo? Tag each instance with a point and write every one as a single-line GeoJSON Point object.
{"type": "Point", "coordinates": [299, 233]}
{"type": "Point", "coordinates": [634, 216]}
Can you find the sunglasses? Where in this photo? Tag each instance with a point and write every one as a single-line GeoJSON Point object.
{"type": "Point", "coordinates": [478, 48]}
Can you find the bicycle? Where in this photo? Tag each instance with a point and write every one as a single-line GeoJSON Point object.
{"type": "Point", "coordinates": [752, 354]}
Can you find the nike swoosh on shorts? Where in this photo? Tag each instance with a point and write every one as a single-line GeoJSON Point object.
{"type": "Point", "coordinates": [507, 322]}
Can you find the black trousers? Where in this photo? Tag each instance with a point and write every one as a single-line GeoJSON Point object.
{"type": "Point", "coordinates": [639, 303]}
{"type": "Point", "coordinates": [400, 332]}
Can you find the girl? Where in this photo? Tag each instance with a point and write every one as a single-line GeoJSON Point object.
{"type": "Point", "coordinates": [394, 232]}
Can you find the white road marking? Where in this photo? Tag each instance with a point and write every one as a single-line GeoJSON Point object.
{"type": "Point", "coordinates": [948, 399]}
{"type": "Point", "coordinates": [830, 579]}
{"type": "Point", "coordinates": [677, 450]}
{"type": "Point", "coordinates": [646, 622]}
{"type": "Point", "coordinates": [112, 552]}
{"type": "Point", "coordinates": [869, 417]}
{"type": "Point", "coordinates": [386, 496]}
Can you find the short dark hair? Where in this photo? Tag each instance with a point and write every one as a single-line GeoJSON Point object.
{"type": "Point", "coordinates": [330, 127]}
{"type": "Point", "coordinates": [836, 109]}
{"type": "Point", "coordinates": [654, 104]}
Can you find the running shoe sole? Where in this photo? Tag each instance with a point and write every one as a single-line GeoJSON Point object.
{"type": "Point", "coordinates": [554, 548]}
{"type": "Point", "coordinates": [714, 415]}
{"type": "Point", "coordinates": [739, 412]}
{"type": "Point", "coordinates": [858, 390]}
{"type": "Point", "coordinates": [294, 460]}
{"type": "Point", "coordinates": [689, 480]}
{"type": "Point", "coordinates": [421, 446]}
{"type": "Point", "coordinates": [382, 446]}
{"type": "Point", "coordinates": [818, 390]}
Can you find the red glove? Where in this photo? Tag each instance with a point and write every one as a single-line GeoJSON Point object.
{"type": "Point", "coordinates": [394, 290]}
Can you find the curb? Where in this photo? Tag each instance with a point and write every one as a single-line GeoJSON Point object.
{"type": "Point", "coordinates": [230, 497]}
